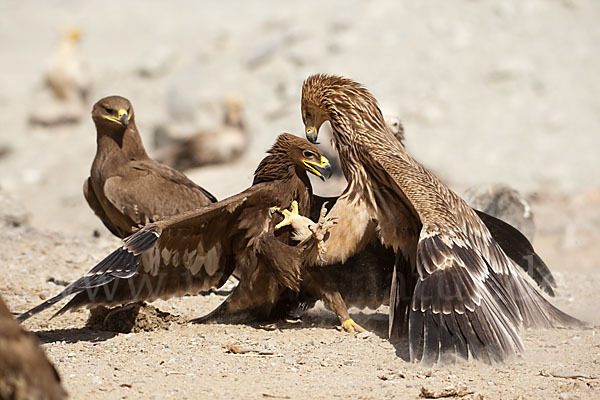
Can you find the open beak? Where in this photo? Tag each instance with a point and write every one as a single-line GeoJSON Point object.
{"type": "Point", "coordinates": [311, 134]}
{"type": "Point", "coordinates": [323, 169]}
{"type": "Point", "coordinates": [123, 117]}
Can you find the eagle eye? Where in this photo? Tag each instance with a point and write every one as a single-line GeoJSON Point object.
{"type": "Point", "coordinates": [107, 109]}
{"type": "Point", "coordinates": [308, 154]}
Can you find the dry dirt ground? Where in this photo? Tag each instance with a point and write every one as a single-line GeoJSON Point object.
{"type": "Point", "coordinates": [488, 92]}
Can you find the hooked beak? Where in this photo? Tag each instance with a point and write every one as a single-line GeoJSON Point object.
{"type": "Point", "coordinates": [311, 134]}
{"type": "Point", "coordinates": [323, 169]}
{"type": "Point", "coordinates": [123, 117]}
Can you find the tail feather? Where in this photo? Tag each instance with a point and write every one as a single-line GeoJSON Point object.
{"type": "Point", "coordinates": [46, 304]}
{"type": "Point", "coordinates": [402, 287]}
{"type": "Point", "coordinates": [541, 313]}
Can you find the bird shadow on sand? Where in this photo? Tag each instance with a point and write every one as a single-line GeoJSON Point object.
{"type": "Point", "coordinates": [375, 323]}
{"type": "Point", "coordinates": [73, 335]}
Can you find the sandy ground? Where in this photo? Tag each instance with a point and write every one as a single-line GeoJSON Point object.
{"type": "Point", "coordinates": [488, 92]}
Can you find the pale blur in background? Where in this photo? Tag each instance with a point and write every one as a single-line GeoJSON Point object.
{"type": "Point", "coordinates": [487, 91]}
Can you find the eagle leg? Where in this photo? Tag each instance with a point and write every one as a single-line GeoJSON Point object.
{"type": "Point", "coordinates": [305, 228]}
{"type": "Point", "coordinates": [288, 215]}
{"type": "Point", "coordinates": [333, 300]}
{"type": "Point", "coordinates": [319, 231]}
{"type": "Point", "coordinates": [352, 327]}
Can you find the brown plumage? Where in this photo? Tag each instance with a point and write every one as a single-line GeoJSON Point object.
{"type": "Point", "coordinates": [200, 249]}
{"type": "Point", "coordinates": [364, 280]}
{"type": "Point", "coordinates": [25, 372]}
{"type": "Point", "coordinates": [126, 189]}
{"type": "Point", "coordinates": [470, 298]}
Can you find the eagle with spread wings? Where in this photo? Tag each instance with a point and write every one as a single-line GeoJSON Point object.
{"type": "Point", "coordinates": [364, 280]}
{"type": "Point", "coordinates": [454, 285]}
{"type": "Point", "coordinates": [200, 249]}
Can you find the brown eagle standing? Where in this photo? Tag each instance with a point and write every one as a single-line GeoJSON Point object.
{"type": "Point", "coordinates": [126, 189]}
{"type": "Point", "coordinates": [469, 298]}
{"type": "Point", "coordinates": [200, 249]}
{"type": "Point", "coordinates": [25, 372]}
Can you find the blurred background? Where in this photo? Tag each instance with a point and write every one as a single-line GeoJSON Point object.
{"type": "Point", "coordinates": [488, 92]}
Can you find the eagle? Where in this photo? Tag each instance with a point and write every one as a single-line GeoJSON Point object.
{"type": "Point", "coordinates": [193, 147]}
{"type": "Point", "coordinates": [200, 249]}
{"type": "Point", "coordinates": [364, 280]}
{"type": "Point", "coordinates": [454, 287]}
{"type": "Point", "coordinates": [66, 75]}
{"type": "Point", "coordinates": [126, 189]}
{"type": "Point", "coordinates": [25, 371]}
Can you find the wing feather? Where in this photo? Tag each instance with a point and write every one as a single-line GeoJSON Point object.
{"type": "Point", "coordinates": [94, 203]}
{"type": "Point", "coordinates": [488, 282]}
{"type": "Point", "coordinates": [151, 191]}
{"type": "Point", "coordinates": [121, 263]}
{"type": "Point", "coordinates": [457, 282]}
{"type": "Point", "coordinates": [520, 250]}
{"type": "Point", "coordinates": [160, 248]}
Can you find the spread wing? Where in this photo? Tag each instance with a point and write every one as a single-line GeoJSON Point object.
{"type": "Point", "coordinates": [470, 298]}
{"type": "Point", "coordinates": [187, 253]}
{"type": "Point", "coordinates": [151, 191]}
{"type": "Point", "coordinates": [519, 249]}
{"type": "Point", "coordinates": [346, 282]}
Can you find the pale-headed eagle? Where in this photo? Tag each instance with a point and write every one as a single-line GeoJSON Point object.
{"type": "Point", "coordinates": [454, 286]}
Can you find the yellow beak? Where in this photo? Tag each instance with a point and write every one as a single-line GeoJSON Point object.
{"type": "Point", "coordinates": [311, 134]}
{"type": "Point", "coordinates": [123, 117]}
{"type": "Point", "coordinates": [323, 169]}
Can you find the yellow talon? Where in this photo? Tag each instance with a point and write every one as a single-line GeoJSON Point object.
{"type": "Point", "coordinates": [288, 215]}
{"type": "Point", "coordinates": [351, 327]}
{"type": "Point", "coordinates": [273, 210]}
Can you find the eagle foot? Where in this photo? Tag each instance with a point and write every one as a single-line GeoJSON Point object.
{"type": "Point", "coordinates": [288, 215]}
{"type": "Point", "coordinates": [352, 327]}
{"type": "Point", "coordinates": [304, 228]}
{"type": "Point", "coordinates": [320, 229]}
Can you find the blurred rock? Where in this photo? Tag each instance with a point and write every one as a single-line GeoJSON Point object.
{"type": "Point", "coordinates": [511, 69]}
{"type": "Point", "coordinates": [5, 150]}
{"type": "Point", "coordinates": [262, 51]}
{"type": "Point", "coordinates": [182, 104]}
{"type": "Point", "coordinates": [505, 203]}
{"type": "Point", "coordinates": [12, 212]}
{"type": "Point", "coordinates": [203, 147]}
{"type": "Point", "coordinates": [157, 63]}
{"type": "Point", "coordinates": [48, 112]}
